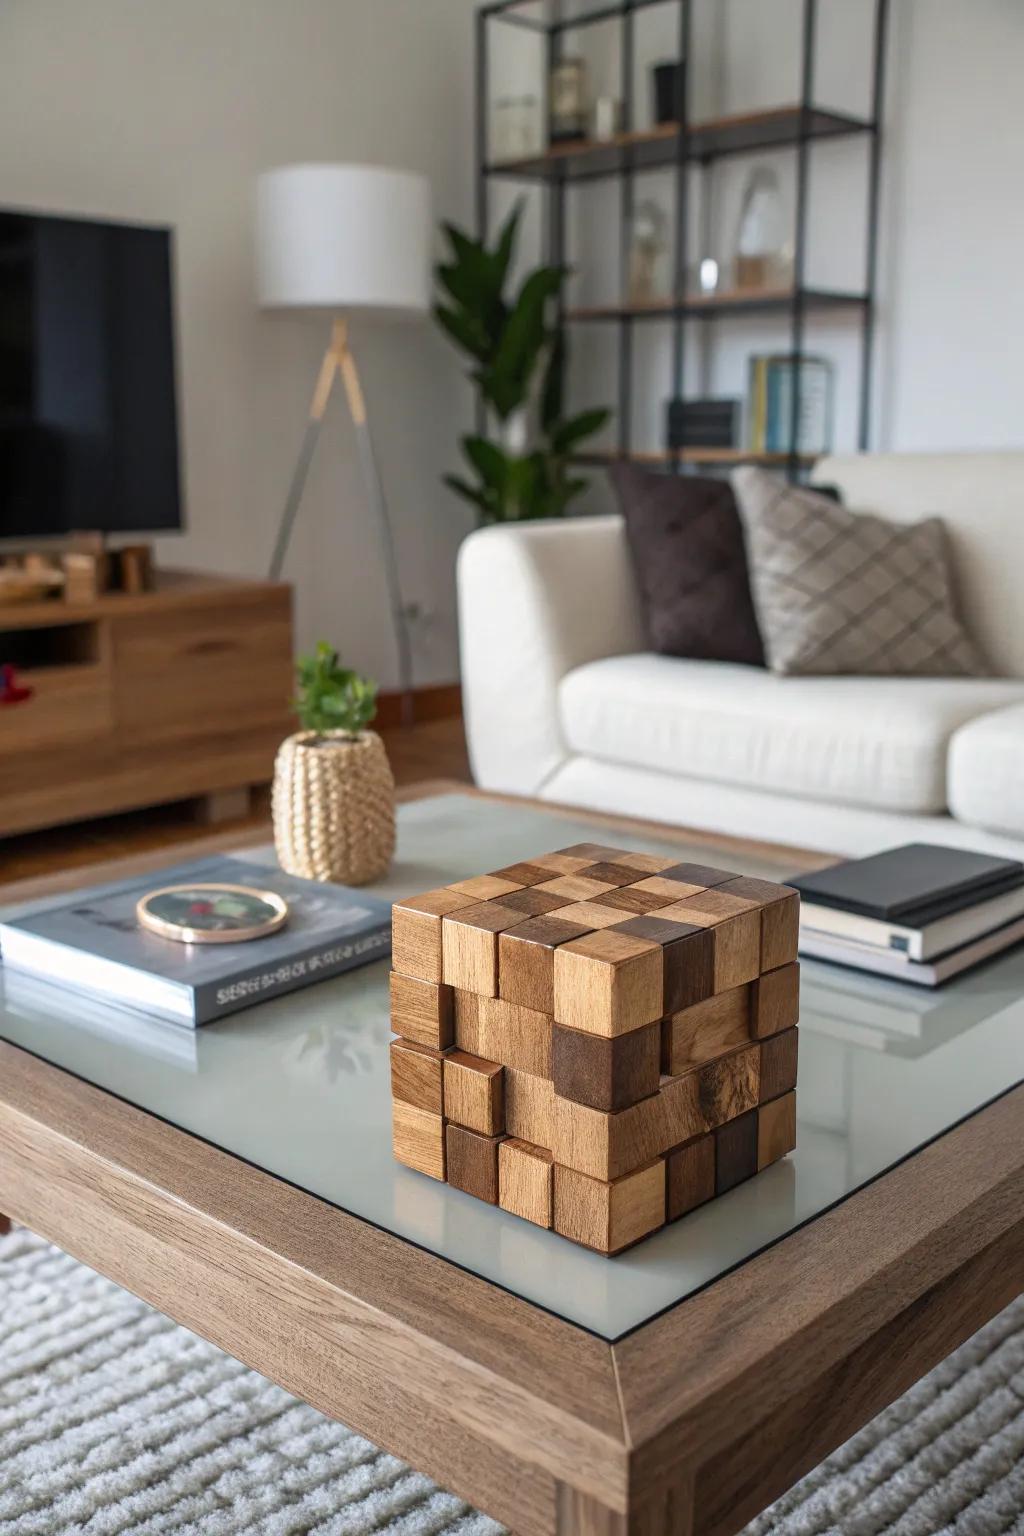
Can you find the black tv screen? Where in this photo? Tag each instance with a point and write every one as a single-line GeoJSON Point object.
{"type": "Point", "coordinates": [88, 418]}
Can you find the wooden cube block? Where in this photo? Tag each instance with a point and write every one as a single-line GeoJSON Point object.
{"type": "Point", "coordinates": [690, 1176]}
{"type": "Point", "coordinates": [588, 915]}
{"type": "Point", "coordinates": [688, 957]}
{"type": "Point", "coordinates": [562, 863]}
{"type": "Point", "coordinates": [608, 983]}
{"type": "Point", "coordinates": [575, 887]}
{"type": "Point", "coordinates": [474, 1093]}
{"type": "Point", "coordinates": [417, 1139]}
{"type": "Point", "coordinates": [728, 1086]}
{"type": "Point", "coordinates": [416, 932]}
{"type": "Point", "coordinates": [666, 888]}
{"type": "Point", "coordinates": [531, 902]}
{"type": "Point", "coordinates": [485, 887]}
{"type": "Point", "coordinates": [704, 875]}
{"type": "Point", "coordinates": [529, 1107]}
{"type": "Point", "coordinates": [593, 852]}
{"type": "Point", "coordinates": [417, 1076]}
{"type": "Point", "coordinates": [778, 1064]}
{"type": "Point", "coordinates": [504, 1032]}
{"type": "Point", "coordinates": [606, 1074]}
{"type": "Point", "coordinates": [735, 1152]}
{"type": "Point", "coordinates": [421, 1011]}
{"type": "Point", "coordinates": [736, 924]}
{"type": "Point", "coordinates": [606, 1146]}
{"type": "Point", "coordinates": [472, 1162]}
{"type": "Point", "coordinates": [469, 945]}
{"type": "Point", "coordinates": [608, 870]}
{"type": "Point", "coordinates": [646, 863]}
{"type": "Point", "coordinates": [775, 1003]}
{"type": "Point", "coordinates": [780, 918]}
{"type": "Point", "coordinates": [527, 873]}
{"type": "Point", "coordinates": [712, 1028]}
{"type": "Point", "coordinates": [525, 1181]}
{"type": "Point", "coordinates": [776, 1129]}
{"type": "Point", "coordinates": [609, 1216]}
{"type": "Point", "coordinates": [631, 899]}
{"type": "Point", "coordinates": [526, 960]}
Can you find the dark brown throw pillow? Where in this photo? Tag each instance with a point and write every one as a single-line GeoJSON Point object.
{"type": "Point", "coordinates": [686, 540]}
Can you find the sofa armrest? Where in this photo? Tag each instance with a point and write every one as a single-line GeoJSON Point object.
{"type": "Point", "coordinates": [536, 600]}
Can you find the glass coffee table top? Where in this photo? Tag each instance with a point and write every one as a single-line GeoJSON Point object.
{"type": "Point", "coordinates": [300, 1087]}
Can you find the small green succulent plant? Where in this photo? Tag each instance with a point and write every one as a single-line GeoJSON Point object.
{"type": "Point", "coordinates": [331, 697]}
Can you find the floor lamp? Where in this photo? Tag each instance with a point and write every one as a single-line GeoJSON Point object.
{"type": "Point", "coordinates": [338, 240]}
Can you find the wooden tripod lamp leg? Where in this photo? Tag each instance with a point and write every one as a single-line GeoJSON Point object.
{"type": "Point", "coordinates": [317, 411]}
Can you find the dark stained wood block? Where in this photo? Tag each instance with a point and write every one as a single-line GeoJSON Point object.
{"type": "Point", "coordinates": [776, 1130]}
{"type": "Point", "coordinates": [778, 1064]}
{"type": "Point", "coordinates": [735, 1152]}
{"type": "Point", "coordinates": [612, 873]}
{"type": "Point", "coordinates": [630, 898]}
{"type": "Point", "coordinates": [469, 944]}
{"type": "Point", "coordinates": [472, 1162]}
{"type": "Point", "coordinates": [525, 1181]}
{"type": "Point", "coordinates": [526, 960]}
{"type": "Point", "coordinates": [780, 918]}
{"type": "Point", "coordinates": [691, 1176]}
{"type": "Point", "coordinates": [474, 1093]}
{"type": "Point", "coordinates": [775, 1001]}
{"type": "Point", "coordinates": [526, 873]}
{"type": "Point", "coordinates": [416, 932]}
{"type": "Point", "coordinates": [728, 1086]}
{"type": "Point", "coordinates": [608, 983]}
{"type": "Point", "coordinates": [417, 1139]}
{"type": "Point", "coordinates": [421, 1011]}
{"type": "Point", "coordinates": [736, 924]}
{"type": "Point", "coordinates": [689, 957]}
{"type": "Point", "coordinates": [606, 1074]}
{"type": "Point", "coordinates": [594, 853]}
{"type": "Point", "coordinates": [531, 903]}
{"type": "Point", "coordinates": [417, 1075]}
{"type": "Point", "coordinates": [609, 1216]}
{"type": "Point", "coordinates": [712, 1028]}
{"type": "Point", "coordinates": [699, 874]}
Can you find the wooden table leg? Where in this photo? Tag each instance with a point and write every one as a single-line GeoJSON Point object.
{"type": "Point", "coordinates": [668, 1512]}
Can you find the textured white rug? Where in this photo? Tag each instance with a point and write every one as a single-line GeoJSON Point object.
{"type": "Point", "coordinates": [112, 1419]}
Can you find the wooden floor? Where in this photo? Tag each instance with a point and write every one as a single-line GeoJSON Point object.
{"type": "Point", "coordinates": [434, 750]}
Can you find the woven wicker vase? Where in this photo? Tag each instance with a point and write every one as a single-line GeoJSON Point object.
{"type": "Point", "coordinates": [334, 807]}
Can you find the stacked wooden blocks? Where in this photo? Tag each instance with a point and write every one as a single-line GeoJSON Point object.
{"type": "Point", "coordinates": [596, 1040]}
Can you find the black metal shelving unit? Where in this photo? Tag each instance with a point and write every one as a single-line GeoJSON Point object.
{"type": "Point", "coordinates": [679, 145]}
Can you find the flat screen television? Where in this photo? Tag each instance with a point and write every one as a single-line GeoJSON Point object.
{"type": "Point", "coordinates": [88, 416]}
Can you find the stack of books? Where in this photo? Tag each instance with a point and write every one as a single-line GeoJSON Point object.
{"type": "Point", "coordinates": [920, 913]}
{"type": "Point", "coordinates": [770, 405]}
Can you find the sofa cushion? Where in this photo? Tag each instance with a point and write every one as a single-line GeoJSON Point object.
{"type": "Point", "coordinates": [986, 772]}
{"type": "Point", "coordinates": [879, 742]}
{"type": "Point", "coordinates": [686, 543]}
{"type": "Point", "coordinates": [848, 592]}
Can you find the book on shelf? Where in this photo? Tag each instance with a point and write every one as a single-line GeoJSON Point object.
{"type": "Point", "coordinates": [770, 404]}
{"type": "Point", "coordinates": [93, 943]}
{"type": "Point", "coordinates": [920, 912]}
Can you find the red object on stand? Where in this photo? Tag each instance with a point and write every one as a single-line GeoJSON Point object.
{"type": "Point", "coordinates": [11, 692]}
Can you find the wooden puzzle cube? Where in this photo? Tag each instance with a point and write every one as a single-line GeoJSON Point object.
{"type": "Point", "coordinates": [597, 1041]}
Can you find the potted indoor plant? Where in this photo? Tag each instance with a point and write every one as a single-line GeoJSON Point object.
{"type": "Point", "coordinates": [334, 794]}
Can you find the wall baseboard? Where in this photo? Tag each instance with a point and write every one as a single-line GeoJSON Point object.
{"type": "Point", "coordinates": [441, 701]}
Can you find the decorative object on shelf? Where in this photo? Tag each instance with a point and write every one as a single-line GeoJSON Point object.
{"type": "Point", "coordinates": [569, 92]}
{"type": "Point", "coordinates": [20, 583]}
{"type": "Point", "coordinates": [346, 239]}
{"type": "Point", "coordinates": [764, 250]}
{"type": "Point", "coordinates": [770, 405]}
{"type": "Point", "coordinates": [135, 568]}
{"type": "Point", "coordinates": [667, 91]}
{"type": "Point", "coordinates": [517, 133]}
{"type": "Point", "coordinates": [517, 350]}
{"type": "Point", "coordinates": [702, 423]}
{"type": "Point", "coordinates": [596, 1040]}
{"type": "Point", "coordinates": [708, 275]}
{"type": "Point", "coordinates": [82, 577]}
{"type": "Point", "coordinates": [205, 912]}
{"type": "Point", "coordinates": [11, 691]}
{"type": "Point", "coordinates": [648, 255]}
{"type": "Point", "coordinates": [607, 118]}
{"type": "Point", "coordinates": [333, 796]}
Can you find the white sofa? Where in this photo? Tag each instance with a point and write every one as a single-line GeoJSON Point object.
{"type": "Point", "coordinates": [562, 700]}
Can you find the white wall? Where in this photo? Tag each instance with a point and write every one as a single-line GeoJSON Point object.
{"type": "Point", "coordinates": [165, 110]}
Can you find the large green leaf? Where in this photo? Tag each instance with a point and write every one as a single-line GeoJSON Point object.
{"type": "Point", "coordinates": [503, 251]}
{"type": "Point", "coordinates": [566, 434]}
{"type": "Point", "coordinates": [490, 463]}
{"type": "Point", "coordinates": [524, 339]}
{"type": "Point", "coordinates": [554, 384]}
{"type": "Point", "coordinates": [469, 493]}
{"type": "Point", "coordinates": [464, 330]}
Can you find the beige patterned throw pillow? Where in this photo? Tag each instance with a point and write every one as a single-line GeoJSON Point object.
{"type": "Point", "coordinates": [848, 592]}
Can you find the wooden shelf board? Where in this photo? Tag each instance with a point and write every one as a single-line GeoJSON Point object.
{"type": "Point", "coordinates": [730, 301]}
{"type": "Point", "coordinates": [648, 148]}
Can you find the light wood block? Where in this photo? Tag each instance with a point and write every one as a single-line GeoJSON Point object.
{"type": "Point", "coordinates": [474, 1093]}
{"type": "Point", "coordinates": [500, 1031]}
{"type": "Point", "coordinates": [776, 1129]}
{"type": "Point", "coordinates": [735, 1152]}
{"type": "Point", "coordinates": [690, 1177]}
{"type": "Point", "coordinates": [469, 946]}
{"type": "Point", "coordinates": [728, 1086]}
{"type": "Point", "coordinates": [606, 1074]}
{"type": "Point", "coordinates": [525, 1181]}
{"type": "Point", "coordinates": [588, 916]}
{"type": "Point", "coordinates": [472, 1162]}
{"type": "Point", "coordinates": [608, 983]}
{"type": "Point", "coordinates": [775, 1004]}
{"type": "Point", "coordinates": [417, 1076]}
{"type": "Point", "coordinates": [688, 950]}
{"type": "Point", "coordinates": [529, 1107]}
{"type": "Point", "coordinates": [779, 1064]}
{"type": "Point", "coordinates": [417, 1139]}
{"type": "Point", "coordinates": [421, 1011]}
{"type": "Point", "coordinates": [719, 1024]}
{"type": "Point", "coordinates": [416, 932]}
{"type": "Point", "coordinates": [736, 924]}
{"type": "Point", "coordinates": [646, 863]}
{"type": "Point", "coordinates": [609, 1216]}
{"type": "Point", "coordinates": [561, 863]}
{"type": "Point", "coordinates": [526, 960]}
{"type": "Point", "coordinates": [575, 887]}
{"type": "Point", "coordinates": [780, 918]}
{"type": "Point", "coordinates": [666, 889]}
{"type": "Point", "coordinates": [486, 887]}
{"type": "Point", "coordinates": [606, 1146]}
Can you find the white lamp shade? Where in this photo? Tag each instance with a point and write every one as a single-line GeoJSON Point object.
{"type": "Point", "coordinates": [342, 237]}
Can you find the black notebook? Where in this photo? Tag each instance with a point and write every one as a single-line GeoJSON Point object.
{"type": "Point", "coordinates": [912, 885]}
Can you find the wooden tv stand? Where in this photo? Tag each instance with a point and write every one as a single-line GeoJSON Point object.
{"type": "Point", "coordinates": [139, 699]}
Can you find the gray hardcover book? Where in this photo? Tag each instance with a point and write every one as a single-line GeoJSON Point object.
{"type": "Point", "coordinates": [94, 943]}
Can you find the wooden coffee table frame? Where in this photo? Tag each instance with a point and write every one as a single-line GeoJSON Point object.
{"type": "Point", "coordinates": [690, 1423]}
